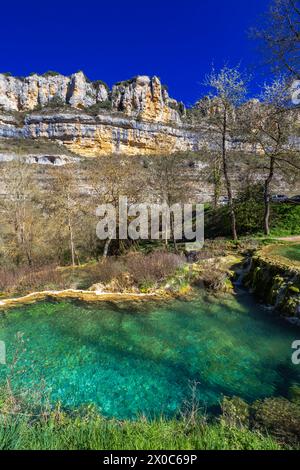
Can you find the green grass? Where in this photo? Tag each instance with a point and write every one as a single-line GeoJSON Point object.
{"type": "Point", "coordinates": [284, 221]}
{"type": "Point", "coordinates": [61, 432]}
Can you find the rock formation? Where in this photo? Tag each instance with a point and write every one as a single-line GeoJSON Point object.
{"type": "Point", "coordinates": [141, 97]}
{"type": "Point", "coordinates": [136, 117]}
{"type": "Point", "coordinates": [26, 94]}
{"type": "Point", "coordinates": [276, 281]}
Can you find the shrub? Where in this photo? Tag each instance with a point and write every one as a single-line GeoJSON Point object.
{"type": "Point", "coordinates": [96, 83]}
{"type": "Point", "coordinates": [295, 394]}
{"type": "Point", "coordinates": [135, 269]}
{"type": "Point", "coordinates": [279, 417]}
{"type": "Point", "coordinates": [95, 108]}
{"type": "Point", "coordinates": [50, 73]}
{"type": "Point", "coordinates": [153, 267]}
{"type": "Point", "coordinates": [235, 412]}
{"type": "Point", "coordinates": [213, 279]}
{"type": "Point", "coordinates": [25, 279]}
{"type": "Point", "coordinates": [285, 219]}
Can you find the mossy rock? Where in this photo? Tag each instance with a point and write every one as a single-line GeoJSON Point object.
{"type": "Point", "coordinates": [275, 284]}
{"type": "Point", "coordinates": [294, 289]}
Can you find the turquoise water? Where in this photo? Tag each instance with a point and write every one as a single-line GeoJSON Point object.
{"type": "Point", "coordinates": [143, 357]}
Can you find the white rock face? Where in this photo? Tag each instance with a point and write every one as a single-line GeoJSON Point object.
{"type": "Point", "coordinates": [10, 92]}
{"type": "Point", "coordinates": [26, 94]}
{"type": "Point", "coordinates": [141, 97]}
{"type": "Point", "coordinates": [144, 97]}
{"type": "Point", "coordinates": [54, 160]}
{"type": "Point", "coordinates": [83, 93]}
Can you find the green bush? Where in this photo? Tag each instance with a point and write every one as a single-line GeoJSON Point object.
{"type": "Point", "coordinates": [95, 108]}
{"type": "Point", "coordinates": [279, 417]}
{"type": "Point", "coordinates": [96, 83]}
{"type": "Point", "coordinates": [50, 73]}
{"type": "Point", "coordinates": [235, 412]}
{"type": "Point", "coordinates": [285, 219]}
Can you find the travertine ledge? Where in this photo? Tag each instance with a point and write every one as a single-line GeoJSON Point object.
{"type": "Point", "coordinates": [84, 295]}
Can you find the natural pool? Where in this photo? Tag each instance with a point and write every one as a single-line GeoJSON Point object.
{"type": "Point", "coordinates": [141, 357]}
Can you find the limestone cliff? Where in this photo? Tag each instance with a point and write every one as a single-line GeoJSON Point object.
{"type": "Point", "coordinates": [141, 97]}
{"type": "Point", "coordinates": [136, 117]}
{"type": "Point", "coordinates": [144, 98]}
{"type": "Point", "coordinates": [24, 94]}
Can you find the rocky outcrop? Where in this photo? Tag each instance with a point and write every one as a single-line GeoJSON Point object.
{"type": "Point", "coordinates": [136, 117]}
{"type": "Point", "coordinates": [40, 159]}
{"type": "Point", "coordinates": [276, 283]}
{"type": "Point", "coordinates": [141, 97]}
{"type": "Point", "coordinates": [24, 94]}
{"type": "Point", "coordinates": [103, 134]}
{"type": "Point", "coordinates": [144, 97]}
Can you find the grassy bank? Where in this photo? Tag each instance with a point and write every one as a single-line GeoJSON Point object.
{"type": "Point", "coordinates": [269, 424]}
{"type": "Point", "coordinates": [96, 433]}
{"type": "Point", "coordinates": [285, 219]}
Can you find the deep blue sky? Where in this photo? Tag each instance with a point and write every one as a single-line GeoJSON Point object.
{"type": "Point", "coordinates": [115, 40]}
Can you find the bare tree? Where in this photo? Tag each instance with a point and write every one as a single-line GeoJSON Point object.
{"type": "Point", "coordinates": [113, 177]}
{"type": "Point", "coordinates": [271, 126]}
{"type": "Point", "coordinates": [229, 90]}
{"type": "Point", "coordinates": [17, 207]}
{"type": "Point", "coordinates": [281, 36]}
{"type": "Point", "coordinates": [170, 183]}
{"type": "Point", "coordinates": [65, 200]}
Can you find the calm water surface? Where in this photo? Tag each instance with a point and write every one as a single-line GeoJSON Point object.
{"type": "Point", "coordinates": [133, 358]}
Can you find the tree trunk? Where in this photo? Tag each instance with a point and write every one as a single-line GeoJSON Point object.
{"type": "Point", "coordinates": [217, 181]}
{"type": "Point", "coordinates": [227, 179]}
{"type": "Point", "coordinates": [172, 222]}
{"type": "Point", "coordinates": [267, 196]}
{"type": "Point", "coordinates": [106, 247]}
{"type": "Point", "coordinates": [72, 246]}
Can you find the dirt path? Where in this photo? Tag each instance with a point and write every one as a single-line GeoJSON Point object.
{"type": "Point", "coordinates": [290, 239]}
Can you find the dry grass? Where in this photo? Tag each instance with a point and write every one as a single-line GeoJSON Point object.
{"type": "Point", "coordinates": [24, 279]}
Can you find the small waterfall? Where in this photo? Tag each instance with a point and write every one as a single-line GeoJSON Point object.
{"type": "Point", "coordinates": [241, 273]}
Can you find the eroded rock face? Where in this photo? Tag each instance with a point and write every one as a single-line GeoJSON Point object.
{"type": "Point", "coordinates": [144, 97]}
{"type": "Point", "coordinates": [103, 134]}
{"type": "Point", "coordinates": [141, 97]}
{"type": "Point", "coordinates": [25, 94]}
{"type": "Point", "coordinates": [136, 117]}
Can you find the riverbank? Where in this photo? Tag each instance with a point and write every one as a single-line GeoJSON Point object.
{"type": "Point", "coordinates": [62, 432]}
{"type": "Point", "coordinates": [213, 274]}
{"type": "Point", "coordinates": [272, 277]}
{"type": "Point", "coordinates": [86, 296]}
{"type": "Point", "coordinates": [275, 280]}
